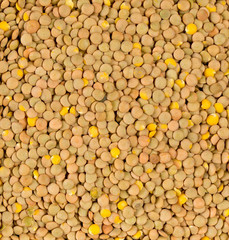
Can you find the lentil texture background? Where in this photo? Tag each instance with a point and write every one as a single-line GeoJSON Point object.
{"type": "Point", "coordinates": [114, 119]}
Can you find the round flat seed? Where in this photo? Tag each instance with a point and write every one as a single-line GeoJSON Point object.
{"type": "Point", "coordinates": [26, 39]}
{"type": "Point", "coordinates": [32, 26]}
{"type": "Point", "coordinates": [55, 124]}
{"type": "Point", "coordinates": [44, 2]}
{"type": "Point", "coordinates": [3, 66]}
{"type": "Point", "coordinates": [43, 33]}
{"type": "Point", "coordinates": [76, 141]}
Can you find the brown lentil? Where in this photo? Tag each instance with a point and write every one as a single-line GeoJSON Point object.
{"type": "Point", "coordinates": [114, 119]}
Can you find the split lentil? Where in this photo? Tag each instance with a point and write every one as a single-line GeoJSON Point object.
{"type": "Point", "coordinates": [114, 119]}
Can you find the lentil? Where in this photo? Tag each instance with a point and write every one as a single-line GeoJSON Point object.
{"type": "Point", "coordinates": [114, 119]}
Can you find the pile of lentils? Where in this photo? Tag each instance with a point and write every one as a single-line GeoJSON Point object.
{"type": "Point", "coordinates": [114, 119]}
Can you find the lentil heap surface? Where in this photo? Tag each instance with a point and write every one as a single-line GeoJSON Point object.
{"type": "Point", "coordinates": [114, 119]}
